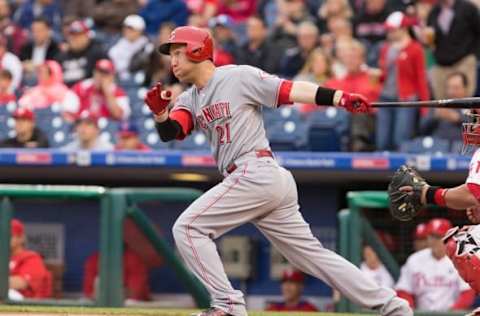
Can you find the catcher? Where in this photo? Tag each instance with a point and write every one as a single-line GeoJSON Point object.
{"type": "Point", "coordinates": [409, 192]}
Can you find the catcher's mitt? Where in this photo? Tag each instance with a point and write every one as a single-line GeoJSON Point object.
{"type": "Point", "coordinates": [405, 205]}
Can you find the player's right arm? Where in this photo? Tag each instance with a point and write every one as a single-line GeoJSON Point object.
{"type": "Point", "coordinates": [176, 124]}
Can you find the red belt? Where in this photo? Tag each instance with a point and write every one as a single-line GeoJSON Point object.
{"type": "Point", "coordinates": [260, 153]}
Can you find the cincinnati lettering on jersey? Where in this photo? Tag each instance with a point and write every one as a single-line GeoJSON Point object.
{"type": "Point", "coordinates": [214, 112]}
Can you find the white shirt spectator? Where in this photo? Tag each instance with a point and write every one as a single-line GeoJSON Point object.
{"type": "Point", "coordinates": [11, 62]}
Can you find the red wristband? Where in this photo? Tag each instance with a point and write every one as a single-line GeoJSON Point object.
{"type": "Point", "coordinates": [439, 197]}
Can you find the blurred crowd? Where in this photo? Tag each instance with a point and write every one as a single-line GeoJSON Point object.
{"type": "Point", "coordinates": [73, 73]}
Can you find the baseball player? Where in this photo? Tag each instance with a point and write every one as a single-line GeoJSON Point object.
{"type": "Point", "coordinates": [462, 243]}
{"type": "Point", "coordinates": [226, 104]}
{"type": "Point", "coordinates": [429, 281]}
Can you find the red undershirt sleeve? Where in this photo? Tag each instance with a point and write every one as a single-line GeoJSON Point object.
{"type": "Point", "coordinates": [474, 189]}
{"type": "Point", "coordinates": [284, 93]}
{"type": "Point", "coordinates": [185, 119]}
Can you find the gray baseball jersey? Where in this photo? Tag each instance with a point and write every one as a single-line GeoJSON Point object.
{"type": "Point", "coordinates": [228, 110]}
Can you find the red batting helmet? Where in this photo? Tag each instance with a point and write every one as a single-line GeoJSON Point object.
{"type": "Point", "coordinates": [199, 43]}
{"type": "Point", "coordinates": [438, 226]}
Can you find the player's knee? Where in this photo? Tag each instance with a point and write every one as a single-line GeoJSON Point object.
{"type": "Point", "coordinates": [179, 231]}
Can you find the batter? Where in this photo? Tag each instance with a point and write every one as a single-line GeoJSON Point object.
{"type": "Point", "coordinates": [226, 104]}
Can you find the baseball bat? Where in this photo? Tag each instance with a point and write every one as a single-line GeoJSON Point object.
{"type": "Point", "coordinates": [461, 103]}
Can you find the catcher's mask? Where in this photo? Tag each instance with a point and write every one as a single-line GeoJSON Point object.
{"type": "Point", "coordinates": [471, 130]}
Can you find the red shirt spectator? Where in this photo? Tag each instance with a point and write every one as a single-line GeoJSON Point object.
{"type": "Point", "coordinates": [292, 288]}
{"type": "Point", "coordinates": [15, 35]}
{"type": "Point", "coordinates": [238, 10]}
{"type": "Point", "coordinates": [135, 276]}
{"type": "Point", "coordinates": [411, 77]}
{"type": "Point", "coordinates": [101, 96]}
{"type": "Point", "coordinates": [28, 274]}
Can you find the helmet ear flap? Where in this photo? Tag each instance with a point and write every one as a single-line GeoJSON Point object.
{"type": "Point", "coordinates": [195, 51]}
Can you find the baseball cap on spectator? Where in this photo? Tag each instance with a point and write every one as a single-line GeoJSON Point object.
{"type": "Point", "coordinates": [398, 20]}
{"type": "Point", "coordinates": [105, 65]}
{"type": "Point", "coordinates": [292, 275]}
{"type": "Point", "coordinates": [220, 20]}
{"type": "Point", "coordinates": [421, 231]}
{"type": "Point", "coordinates": [86, 116]}
{"type": "Point", "coordinates": [438, 226]}
{"type": "Point", "coordinates": [17, 228]}
{"type": "Point", "coordinates": [78, 27]}
{"type": "Point", "coordinates": [135, 22]}
{"type": "Point", "coordinates": [23, 114]}
{"type": "Point", "coordinates": [127, 129]}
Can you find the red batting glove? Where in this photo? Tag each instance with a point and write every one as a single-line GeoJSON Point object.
{"type": "Point", "coordinates": [354, 103]}
{"type": "Point", "coordinates": [158, 99]}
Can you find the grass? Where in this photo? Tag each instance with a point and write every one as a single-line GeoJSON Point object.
{"type": "Point", "coordinates": [50, 310]}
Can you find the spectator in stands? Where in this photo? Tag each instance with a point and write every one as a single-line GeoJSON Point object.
{"type": "Point", "coordinates": [333, 9]}
{"type": "Point", "coordinates": [15, 35]}
{"type": "Point", "coordinates": [49, 90]}
{"type": "Point", "coordinates": [135, 276]}
{"type": "Point", "coordinates": [290, 14]}
{"type": "Point", "coordinates": [87, 135]}
{"type": "Point", "coordinates": [358, 80]}
{"type": "Point", "coordinates": [239, 10]}
{"type": "Point", "coordinates": [316, 68]}
{"type": "Point", "coordinates": [29, 278]}
{"type": "Point", "coordinates": [128, 138]}
{"type": "Point", "coordinates": [369, 27]}
{"type": "Point", "coordinates": [27, 135]}
{"type": "Point", "coordinates": [373, 267]}
{"type": "Point", "coordinates": [32, 9]}
{"type": "Point", "coordinates": [292, 289]}
{"type": "Point", "coordinates": [6, 96]}
{"type": "Point", "coordinates": [109, 15]}
{"type": "Point", "coordinates": [454, 26]}
{"type": "Point", "coordinates": [295, 57]}
{"type": "Point", "coordinates": [155, 66]}
{"type": "Point", "coordinates": [225, 44]}
{"type": "Point", "coordinates": [157, 12]}
{"type": "Point", "coordinates": [420, 237]}
{"type": "Point", "coordinates": [447, 123]}
{"type": "Point", "coordinates": [203, 10]}
{"type": "Point", "coordinates": [80, 9]}
{"type": "Point", "coordinates": [81, 53]}
{"type": "Point", "coordinates": [259, 50]}
{"type": "Point", "coordinates": [10, 62]}
{"type": "Point", "coordinates": [41, 47]}
{"type": "Point", "coordinates": [130, 46]}
{"type": "Point", "coordinates": [402, 62]}
{"type": "Point", "coordinates": [101, 96]}
{"type": "Point", "coordinates": [429, 275]}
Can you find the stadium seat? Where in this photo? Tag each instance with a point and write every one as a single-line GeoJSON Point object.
{"type": "Point", "coordinates": [425, 145]}
{"type": "Point", "coordinates": [328, 130]}
{"type": "Point", "coordinates": [287, 136]}
{"type": "Point", "coordinates": [283, 114]}
{"type": "Point", "coordinates": [152, 140]}
{"type": "Point", "coordinates": [59, 131]}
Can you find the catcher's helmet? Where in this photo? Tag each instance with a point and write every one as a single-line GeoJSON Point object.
{"type": "Point", "coordinates": [199, 43]}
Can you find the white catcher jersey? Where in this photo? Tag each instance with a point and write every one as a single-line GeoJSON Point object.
{"type": "Point", "coordinates": [435, 284]}
{"type": "Point", "coordinates": [474, 170]}
{"type": "Point", "coordinates": [228, 110]}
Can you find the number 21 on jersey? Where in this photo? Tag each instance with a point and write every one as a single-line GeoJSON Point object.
{"type": "Point", "coordinates": [223, 134]}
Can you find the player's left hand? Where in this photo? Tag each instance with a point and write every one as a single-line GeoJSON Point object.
{"type": "Point", "coordinates": [354, 103]}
